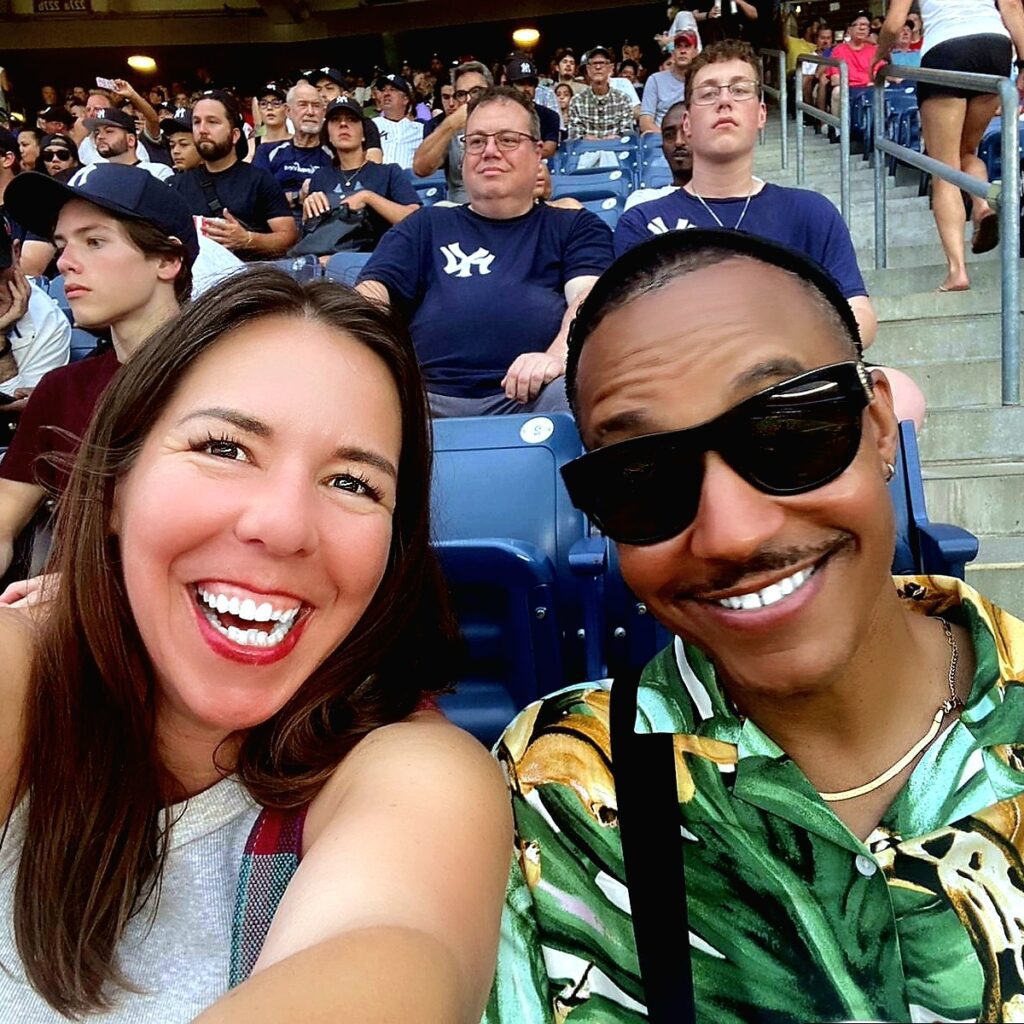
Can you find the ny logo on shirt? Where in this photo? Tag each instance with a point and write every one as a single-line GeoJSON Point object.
{"type": "Point", "coordinates": [459, 264]}
{"type": "Point", "coordinates": [659, 227]}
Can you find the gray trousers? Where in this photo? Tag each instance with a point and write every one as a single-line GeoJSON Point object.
{"type": "Point", "coordinates": [551, 399]}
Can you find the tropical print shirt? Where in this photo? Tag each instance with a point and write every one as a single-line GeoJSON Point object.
{"type": "Point", "coordinates": [792, 917]}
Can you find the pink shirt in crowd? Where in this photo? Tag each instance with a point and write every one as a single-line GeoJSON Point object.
{"type": "Point", "coordinates": [860, 62]}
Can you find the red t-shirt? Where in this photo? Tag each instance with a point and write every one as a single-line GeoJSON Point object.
{"type": "Point", "coordinates": [860, 62]}
{"type": "Point", "coordinates": [64, 399]}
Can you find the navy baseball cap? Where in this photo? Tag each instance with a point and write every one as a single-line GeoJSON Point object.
{"type": "Point", "coordinates": [332, 73]}
{"type": "Point", "coordinates": [35, 200]}
{"type": "Point", "coordinates": [8, 142]}
{"type": "Point", "coordinates": [177, 125]}
{"type": "Point", "coordinates": [521, 69]}
{"type": "Point", "coordinates": [6, 246]}
{"type": "Point", "coordinates": [343, 103]}
{"type": "Point", "coordinates": [397, 82]}
{"type": "Point", "coordinates": [56, 113]}
{"type": "Point", "coordinates": [111, 115]}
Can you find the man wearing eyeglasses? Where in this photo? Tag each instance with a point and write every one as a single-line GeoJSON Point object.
{"type": "Point", "coordinates": [807, 806]}
{"type": "Point", "coordinates": [400, 135]}
{"type": "Point", "coordinates": [599, 111]}
{"type": "Point", "coordinates": [724, 113]}
{"type": "Point", "coordinates": [489, 288]}
{"type": "Point", "coordinates": [442, 139]}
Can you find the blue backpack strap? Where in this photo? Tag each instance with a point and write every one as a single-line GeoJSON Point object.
{"type": "Point", "coordinates": [272, 853]}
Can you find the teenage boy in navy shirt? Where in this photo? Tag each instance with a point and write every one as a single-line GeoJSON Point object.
{"type": "Point", "coordinates": [722, 131]}
{"type": "Point", "coordinates": [490, 288]}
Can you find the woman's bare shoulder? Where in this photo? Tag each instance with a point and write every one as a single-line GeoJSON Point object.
{"type": "Point", "coordinates": [17, 643]}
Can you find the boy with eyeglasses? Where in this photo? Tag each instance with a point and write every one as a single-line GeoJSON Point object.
{"type": "Point", "coordinates": [724, 112]}
{"type": "Point", "coordinates": [807, 807]}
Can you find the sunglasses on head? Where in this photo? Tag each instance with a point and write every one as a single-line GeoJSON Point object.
{"type": "Point", "coordinates": [791, 438]}
{"type": "Point", "coordinates": [56, 154]}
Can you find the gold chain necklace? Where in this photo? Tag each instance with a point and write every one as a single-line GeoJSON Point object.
{"type": "Point", "coordinates": [951, 703]}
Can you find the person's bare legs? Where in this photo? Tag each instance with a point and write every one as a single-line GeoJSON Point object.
{"type": "Point", "coordinates": [942, 125]}
{"type": "Point", "coordinates": [980, 111]}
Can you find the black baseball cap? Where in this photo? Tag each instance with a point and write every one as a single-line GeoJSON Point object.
{"type": "Point", "coordinates": [35, 200]}
{"type": "Point", "coordinates": [343, 103]}
{"type": "Point", "coordinates": [332, 73]}
{"type": "Point", "coordinates": [177, 125]}
{"type": "Point", "coordinates": [396, 81]}
{"type": "Point", "coordinates": [595, 50]}
{"type": "Point", "coordinates": [56, 113]}
{"type": "Point", "coordinates": [272, 89]}
{"type": "Point", "coordinates": [6, 247]}
{"type": "Point", "coordinates": [521, 69]}
{"type": "Point", "coordinates": [8, 142]}
{"type": "Point", "coordinates": [59, 139]}
{"type": "Point", "coordinates": [111, 115]}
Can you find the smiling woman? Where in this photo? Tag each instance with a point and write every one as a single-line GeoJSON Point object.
{"type": "Point", "coordinates": [249, 629]}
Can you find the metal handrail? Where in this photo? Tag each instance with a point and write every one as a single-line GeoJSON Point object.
{"type": "Point", "coordinates": [842, 122]}
{"type": "Point", "coordinates": [781, 95]}
{"type": "Point", "coordinates": [1005, 196]}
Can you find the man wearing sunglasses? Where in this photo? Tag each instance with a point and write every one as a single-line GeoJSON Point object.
{"type": "Point", "coordinates": [442, 138]}
{"type": "Point", "coordinates": [489, 288]}
{"type": "Point", "coordinates": [724, 113]}
{"type": "Point", "coordinates": [807, 807]}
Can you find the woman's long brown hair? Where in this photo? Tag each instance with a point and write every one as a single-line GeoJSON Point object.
{"type": "Point", "coordinates": [94, 850]}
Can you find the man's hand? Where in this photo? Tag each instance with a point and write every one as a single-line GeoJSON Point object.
{"type": "Point", "coordinates": [21, 397]}
{"type": "Point", "coordinates": [315, 204]}
{"type": "Point", "coordinates": [529, 374]}
{"type": "Point", "coordinates": [19, 290]}
{"type": "Point", "coordinates": [228, 231]}
{"type": "Point", "coordinates": [358, 200]}
{"type": "Point", "coordinates": [457, 118]}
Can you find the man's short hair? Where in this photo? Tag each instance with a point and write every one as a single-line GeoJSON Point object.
{"type": "Point", "coordinates": [506, 94]}
{"type": "Point", "coordinates": [289, 97]}
{"type": "Point", "coordinates": [675, 254]}
{"type": "Point", "coordinates": [473, 67]}
{"type": "Point", "coordinates": [719, 53]}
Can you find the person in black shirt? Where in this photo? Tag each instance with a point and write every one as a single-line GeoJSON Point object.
{"type": "Point", "coordinates": [521, 73]}
{"type": "Point", "coordinates": [383, 189]}
{"type": "Point", "coordinates": [242, 206]}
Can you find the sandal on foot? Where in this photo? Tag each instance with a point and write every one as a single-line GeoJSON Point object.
{"type": "Point", "coordinates": [986, 234]}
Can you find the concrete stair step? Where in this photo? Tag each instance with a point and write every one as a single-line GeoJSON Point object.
{"type": "Point", "coordinates": [956, 384]}
{"type": "Point", "coordinates": [938, 338]}
{"type": "Point", "coordinates": [921, 305]}
{"type": "Point", "coordinates": [984, 497]}
{"type": "Point", "coordinates": [998, 572]}
{"type": "Point", "coordinates": [985, 271]}
{"type": "Point", "coordinates": [988, 434]}
{"type": "Point", "coordinates": [915, 254]}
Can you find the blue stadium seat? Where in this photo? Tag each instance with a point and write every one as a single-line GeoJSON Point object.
{"type": "Point", "coordinates": [56, 292]}
{"type": "Point", "coordinates": [82, 344]}
{"type": "Point", "coordinates": [302, 268]}
{"type": "Point", "coordinates": [625, 161]}
{"type": "Point", "coordinates": [431, 189]}
{"type": "Point", "coordinates": [524, 572]}
{"type": "Point", "coordinates": [613, 184]}
{"type": "Point", "coordinates": [609, 210]}
{"type": "Point", "coordinates": [656, 174]}
{"type": "Point", "coordinates": [923, 547]}
{"type": "Point", "coordinates": [344, 267]}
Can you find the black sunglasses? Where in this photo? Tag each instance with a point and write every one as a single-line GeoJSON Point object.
{"type": "Point", "coordinates": [791, 438]}
{"type": "Point", "coordinates": [56, 154]}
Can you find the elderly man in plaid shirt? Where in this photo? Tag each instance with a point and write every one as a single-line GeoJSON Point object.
{"type": "Point", "coordinates": [600, 112]}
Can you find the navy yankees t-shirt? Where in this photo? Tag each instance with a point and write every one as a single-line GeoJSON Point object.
{"type": "Point", "coordinates": [291, 165]}
{"type": "Point", "coordinates": [250, 193]}
{"type": "Point", "coordinates": [803, 220]}
{"type": "Point", "coordinates": [479, 292]}
{"type": "Point", "coordinates": [388, 180]}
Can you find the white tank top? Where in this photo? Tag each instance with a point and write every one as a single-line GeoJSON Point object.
{"type": "Point", "coordinates": [182, 962]}
{"type": "Point", "coordinates": [950, 19]}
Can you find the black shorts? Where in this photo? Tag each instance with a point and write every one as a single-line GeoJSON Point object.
{"type": "Point", "coordinates": [986, 54]}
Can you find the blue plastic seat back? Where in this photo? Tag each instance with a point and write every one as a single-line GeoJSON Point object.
{"type": "Point", "coordinates": [302, 268]}
{"type": "Point", "coordinates": [579, 162]}
{"type": "Point", "coordinates": [82, 344]}
{"type": "Point", "coordinates": [597, 185]}
{"type": "Point", "coordinates": [431, 189]}
{"type": "Point", "coordinates": [609, 210]}
{"type": "Point", "coordinates": [934, 549]}
{"type": "Point", "coordinates": [430, 195]}
{"type": "Point", "coordinates": [656, 174]}
{"type": "Point", "coordinates": [56, 292]}
{"type": "Point", "coordinates": [344, 267]}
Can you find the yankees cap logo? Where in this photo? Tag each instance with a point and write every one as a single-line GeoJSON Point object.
{"type": "Point", "coordinates": [525, 68]}
{"type": "Point", "coordinates": [101, 114]}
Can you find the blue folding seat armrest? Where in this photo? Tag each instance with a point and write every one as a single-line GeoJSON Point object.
{"type": "Point", "coordinates": [588, 559]}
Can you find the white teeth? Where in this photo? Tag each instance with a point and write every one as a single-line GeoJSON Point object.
{"type": "Point", "coordinates": [223, 604]}
{"type": "Point", "coordinates": [771, 594]}
{"type": "Point", "coordinates": [234, 606]}
{"type": "Point", "coordinates": [247, 610]}
{"type": "Point", "coordinates": [264, 612]}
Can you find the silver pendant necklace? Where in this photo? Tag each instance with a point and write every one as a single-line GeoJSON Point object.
{"type": "Point", "coordinates": [717, 220]}
{"type": "Point", "coordinates": [355, 174]}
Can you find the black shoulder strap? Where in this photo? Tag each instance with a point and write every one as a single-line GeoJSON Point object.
{"type": "Point", "coordinates": [214, 204]}
{"type": "Point", "coordinates": [652, 854]}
